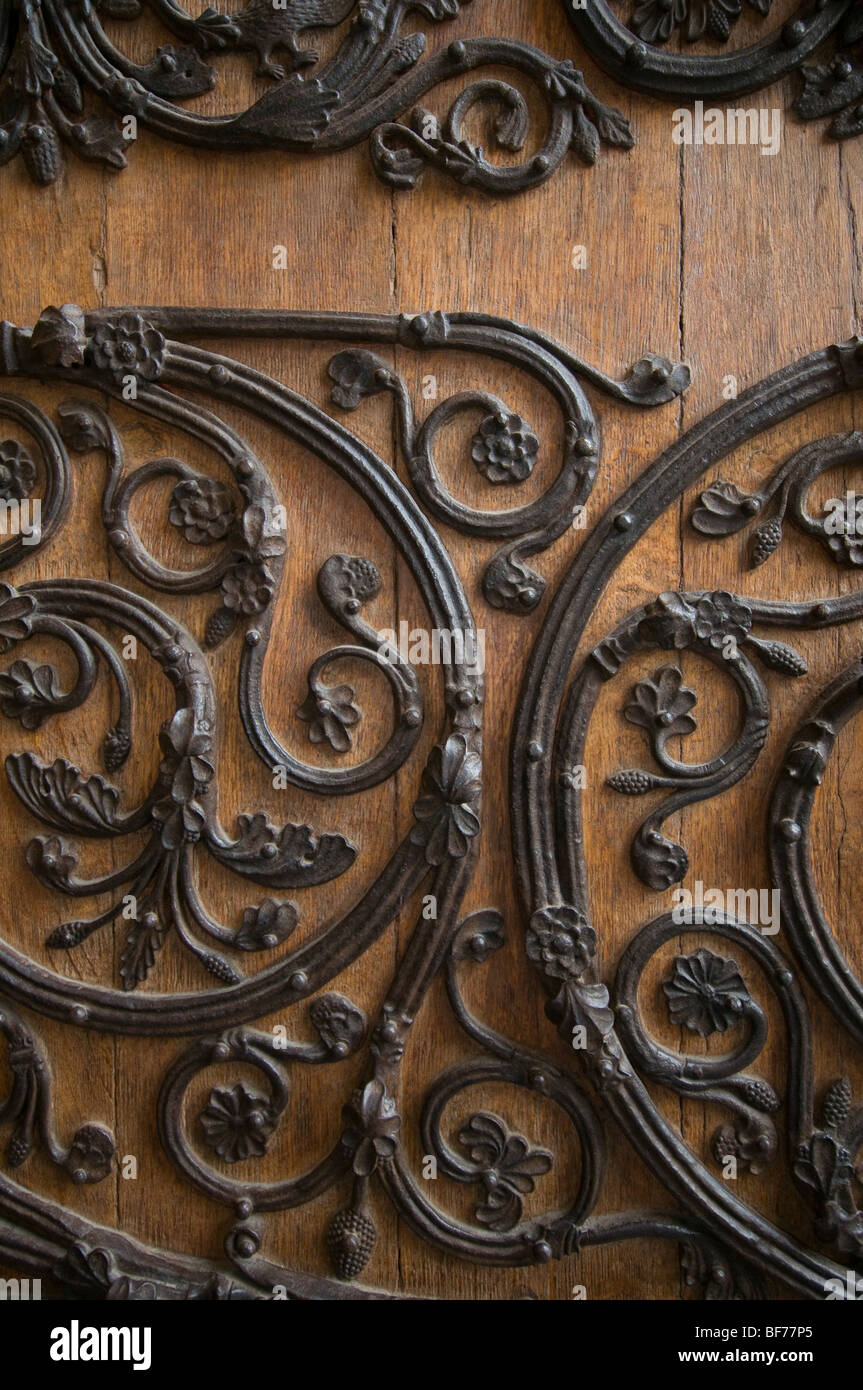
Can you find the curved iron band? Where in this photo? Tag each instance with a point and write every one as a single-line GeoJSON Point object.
{"type": "Point", "coordinates": [549, 361]}
{"type": "Point", "coordinates": [312, 965]}
{"type": "Point", "coordinates": [47, 1239]}
{"type": "Point", "coordinates": [296, 120]}
{"type": "Point", "coordinates": [661, 73]}
{"type": "Point", "coordinates": [55, 504]}
{"type": "Point", "coordinates": [818, 376]}
{"type": "Point", "coordinates": [815, 945]}
{"type": "Point", "coordinates": [39, 1235]}
{"type": "Point", "coordinates": [7, 32]}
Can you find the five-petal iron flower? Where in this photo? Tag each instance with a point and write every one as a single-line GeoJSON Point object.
{"type": "Point", "coordinates": [706, 993]}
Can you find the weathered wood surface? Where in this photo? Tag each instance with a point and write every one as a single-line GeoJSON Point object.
{"type": "Point", "coordinates": [734, 261]}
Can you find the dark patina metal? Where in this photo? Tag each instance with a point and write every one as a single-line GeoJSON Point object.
{"type": "Point", "coordinates": [53, 55]}
{"type": "Point", "coordinates": [56, 59]}
{"type": "Point", "coordinates": [729, 1249]}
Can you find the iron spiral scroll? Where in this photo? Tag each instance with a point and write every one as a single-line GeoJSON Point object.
{"type": "Point", "coordinates": [248, 969]}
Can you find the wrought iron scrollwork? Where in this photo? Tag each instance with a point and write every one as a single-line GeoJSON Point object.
{"type": "Point", "coordinates": [728, 1248]}
{"type": "Point", "coordinates": [548, 739]}
{"type": "Point", "coordinates": [55, 56]}
{"type": "Point", "coordinates": [635, 55]}
{"type": "Point", "coordinates": [89, 1157]}
{"type": "Point", "coordinates": [62, 64]}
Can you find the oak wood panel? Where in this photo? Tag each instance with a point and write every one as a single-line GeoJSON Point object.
{"type": "Point", "coordinates": [736, 261]}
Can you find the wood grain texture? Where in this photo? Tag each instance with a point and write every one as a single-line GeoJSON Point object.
{"type": "Point", "coordinates": [736, 262]}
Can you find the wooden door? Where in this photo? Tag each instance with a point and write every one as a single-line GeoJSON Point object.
{"type": "Point", "coordinates": [383, 982]}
